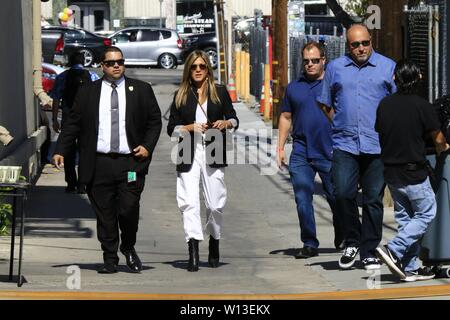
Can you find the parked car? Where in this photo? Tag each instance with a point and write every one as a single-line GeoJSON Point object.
{"type": "Point", "coordinates": [149, 46]}
{"type": "Point", "coordinates": [70, 40]}
{"type": "Point", "coordinates": [202, 41]}
{"type": "Point", "coordinates": [49, 39]}
{"type": "Point", "coordinates": [49, 73]}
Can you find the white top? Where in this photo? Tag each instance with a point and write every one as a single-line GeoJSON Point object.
{"type": "Point", "coordinates": [104, 125]}
{"type": "Point", "coordinates": [199, 115]}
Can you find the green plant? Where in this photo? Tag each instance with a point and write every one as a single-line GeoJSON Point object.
{"type": "Point", "coordinates": [6, 211]}
{"type": "Point", "coordinates": [5, 217]}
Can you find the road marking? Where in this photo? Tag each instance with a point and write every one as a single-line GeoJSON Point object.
{"type": "Point", "coordinates": [391, 293]}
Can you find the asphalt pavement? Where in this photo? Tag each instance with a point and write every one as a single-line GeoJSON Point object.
{"type": "Point", "coordinates": [260, 235]}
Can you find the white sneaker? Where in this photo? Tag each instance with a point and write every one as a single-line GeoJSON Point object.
{"type": "Point", "coordinates": [371, 263]}
{"type": "Point", "coordinates": [348, 258]}
{"type": "Point", "coordinates": [419, 275]}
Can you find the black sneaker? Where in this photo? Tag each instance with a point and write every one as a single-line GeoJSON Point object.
{"type": "Point", "coordinates": [81, 189]}
{"type": "Point", "coordinates": [392, 261]}
{"type": "Point", "coordinates": [371, 263]}
{"type": "Point", "coordinates": [348, 258]}
{"type": "Point", "coordinates": [419, 275]}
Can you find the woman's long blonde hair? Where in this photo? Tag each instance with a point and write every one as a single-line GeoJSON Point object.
{"type": "Point", "coordinates": [186, 84]}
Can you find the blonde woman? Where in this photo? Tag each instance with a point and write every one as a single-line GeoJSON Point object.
{"type": "Point", "coordinates": [199, 115]}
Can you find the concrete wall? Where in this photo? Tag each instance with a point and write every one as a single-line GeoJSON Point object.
{"type": "Point", "coordinates": [18, 111]}
{"type": "Point", "coordinates": [247, 7]}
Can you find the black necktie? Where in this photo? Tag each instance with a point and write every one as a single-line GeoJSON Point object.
{"type": "Point", "coordinates": [115, 138]}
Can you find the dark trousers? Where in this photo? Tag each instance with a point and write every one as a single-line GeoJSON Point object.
{"type": "Point", "coordinates": [348, 171]}
{"type": "Point", "coordinates": [116, 204]}
{"type": "Point", "coordinates": [302, 172]}
{"type": "Point", "coordinates": [43, 121]}
{"type": "Point", "coordinates": [70, 174]}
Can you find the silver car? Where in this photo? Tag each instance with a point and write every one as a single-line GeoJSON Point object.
{"type": "Point", "coordinates": [149, 46]}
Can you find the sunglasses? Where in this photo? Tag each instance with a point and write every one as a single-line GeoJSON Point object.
{"type": "Point", "coordinates": [194, 66]}
{"type": "Point", "coordinates": [356, 44]}
{"type": "Point", "coordinates": [112, 63]}
{"type": "Point", "coordinates": [313, 61]}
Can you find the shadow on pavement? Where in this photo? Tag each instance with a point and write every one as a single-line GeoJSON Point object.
{"type": "Point", "coordinates": [328, 265]}
{"type": "Point", "coordinates": [96, 266]}
{"type": "Point", "coordinates": [182, 264]}
{"type": "Point", "coordinates": [389, 278]}
{"type": "Point", "coordinates": [5, 278]}
{"type": "Point", "coordinates": [53, 213]}
{"type": "Point", "coordinates": [293, 251]}
{"type": "Point", "coordinates": [287, 252]}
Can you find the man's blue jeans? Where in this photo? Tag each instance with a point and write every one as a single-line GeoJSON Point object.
{"type": "Point", "coordinates": [303, 171]}
{"type": "Point", "coordinates": [415, 209]}
{"type": "Point", "coordinates": [348, 171]}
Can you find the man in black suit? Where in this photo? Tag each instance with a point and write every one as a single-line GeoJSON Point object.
{"type": "Point", "coordinates": [117, 122]}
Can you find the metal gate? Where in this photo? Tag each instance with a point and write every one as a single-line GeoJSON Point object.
{"type": "Point", "coordinates": [422, 46]}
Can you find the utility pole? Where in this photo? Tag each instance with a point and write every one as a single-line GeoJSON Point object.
{"type": "Point", "coordinates": [280, 67]}
{"type": "Point", "coordinates": [160, 13]}
{"type": "Point", "coordinates": [221, 45]}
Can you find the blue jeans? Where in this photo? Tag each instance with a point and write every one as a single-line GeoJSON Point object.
{"type": "Point", "coordinates": [348, 171]}
{"type": "Point", "coordinates": [415, 209]}
{"type": "Point", "coordinates": [303, 171]}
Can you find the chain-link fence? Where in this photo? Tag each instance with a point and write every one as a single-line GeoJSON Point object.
{"type": "Point", "coordinates": [334, 48]}
{"type": "Point", "coordinates": [422, 47]}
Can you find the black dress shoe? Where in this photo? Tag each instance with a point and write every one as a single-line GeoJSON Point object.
{"type": "Point", "coordinates": [307, 252]}
{"type": "Point", "coordinates": [107, 268]}
{"type": "Point", "coordinates": [213, 257]}
{"type": "Point", "coordinates": [134, 264]}
{"type": "Point", "coordinates": [71, 189]}
{"type": "Point", "coordinates": [193, 255]}
{"type": "Point", "coordinates": [339, 244]}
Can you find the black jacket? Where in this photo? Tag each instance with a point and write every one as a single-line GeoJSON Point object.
{"type": "Point", "coordinates": [185, 115]}
{"type": "Point", "coordinates": [142, 121]}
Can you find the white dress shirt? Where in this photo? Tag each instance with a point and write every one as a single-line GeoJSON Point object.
{"type": "Point", "coordinates": [104, 125]}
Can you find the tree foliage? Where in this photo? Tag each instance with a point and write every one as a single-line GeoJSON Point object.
{"type": "Point", "coordinates": [358, 7]}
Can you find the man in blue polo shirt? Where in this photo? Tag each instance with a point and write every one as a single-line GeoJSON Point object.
{"type": "Point", "coordinates": [353, 87]}
{"type": "Point", "coordinates": [312, 148]}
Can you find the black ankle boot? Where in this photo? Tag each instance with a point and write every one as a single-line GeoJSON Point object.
{"type": "Point", "coordinates": [213, 257]}
{"type": "Point", "coordinates": [193, 255]}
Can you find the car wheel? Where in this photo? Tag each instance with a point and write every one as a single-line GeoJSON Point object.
{"type": "Point", "coordinates": [88, 57]}
{"type": "Point", "coordinates": [167, 61]}
{"type": "Point", "coordinates": [212, 53]}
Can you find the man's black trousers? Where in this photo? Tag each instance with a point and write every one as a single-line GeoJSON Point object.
{"type": "Point", "coordinates": [116, 203]}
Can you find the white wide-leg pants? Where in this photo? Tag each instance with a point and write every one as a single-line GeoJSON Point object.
{"type": "Point", "coordinates": [188, 197]}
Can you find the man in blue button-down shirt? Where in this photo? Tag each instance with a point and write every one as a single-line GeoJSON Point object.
{"type": "Point", "coordinates": [352, 89]}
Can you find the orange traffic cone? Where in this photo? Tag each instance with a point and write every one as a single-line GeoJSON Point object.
{"type": "Point", "coordinates": [262, 101]}
{"type": "Point", "coordinates": [231, 87]}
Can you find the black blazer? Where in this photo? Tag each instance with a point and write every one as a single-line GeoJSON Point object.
{"type": "Point", "coordinates": [185, 115]}
{"type": "Point", "coordinates": [142, 121]}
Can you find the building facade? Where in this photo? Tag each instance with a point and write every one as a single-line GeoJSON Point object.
{"type": "Point", "coordinates": [186, 16]}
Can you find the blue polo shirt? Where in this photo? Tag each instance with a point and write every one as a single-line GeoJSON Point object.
{"type": "Point", "coordinates": [311, 130]}
{"type": "Point", "coordinates": [354, 92]}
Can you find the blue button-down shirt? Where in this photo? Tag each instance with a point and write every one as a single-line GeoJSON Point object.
{"type": "Point", "coordinates": [311, 130]}
{"type": "Point", "coordinates": [354, 93]}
